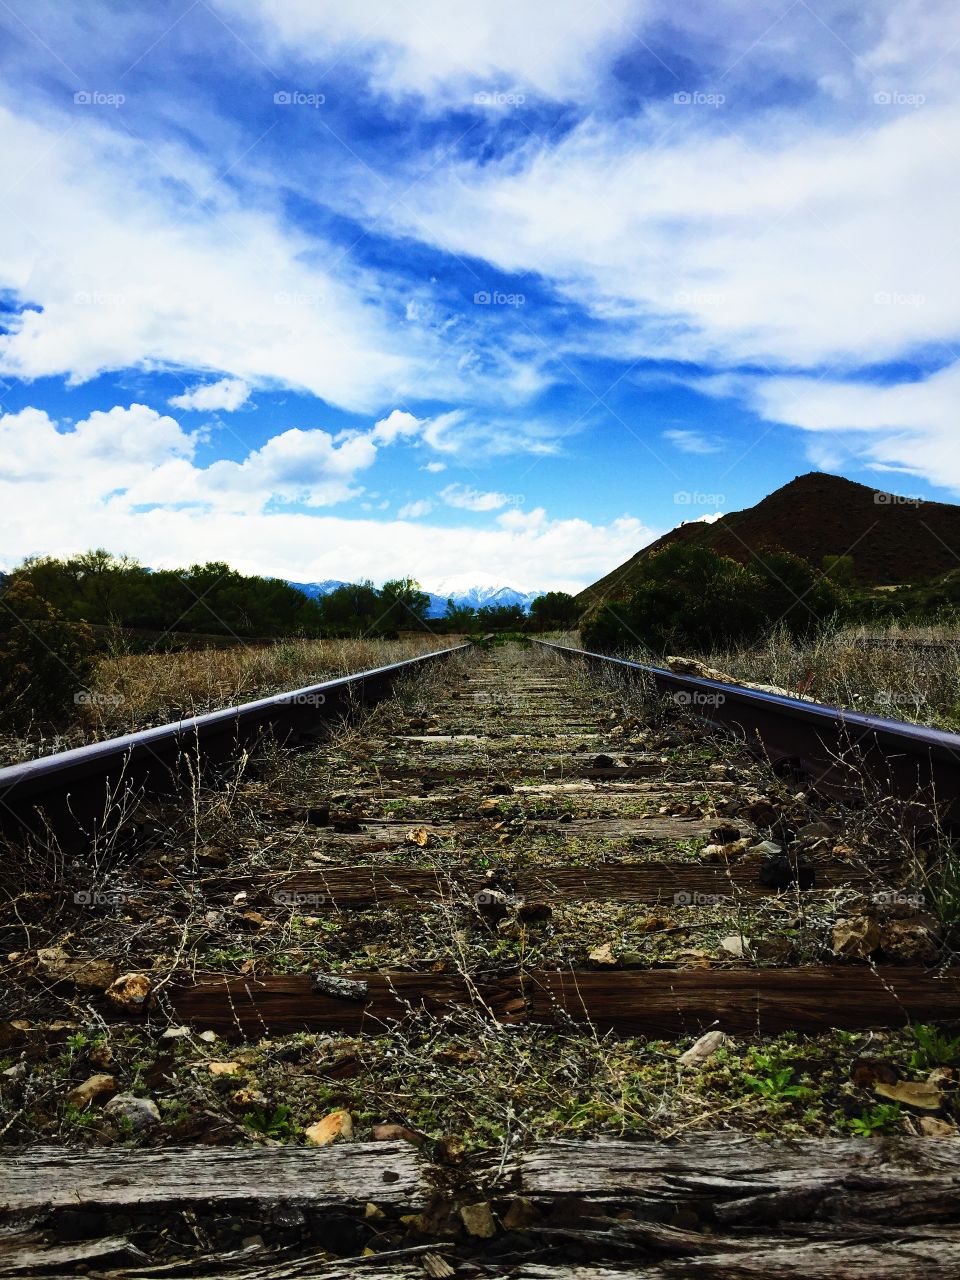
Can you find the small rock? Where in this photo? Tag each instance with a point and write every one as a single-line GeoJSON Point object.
{"type": "Point", "coordinates": [534, 911]}
{"type": "Point", "coordinates": [336, 1125]}
{"type": "Point", "coordinates": [909, 941]}
{"type": "Point", "coordinates": [736, 945]}
{"type": "Point", "coordinates": [330, 984]}
{"type": "Point", "coordinates": [478, 1220]}
{"type": "Point", "coordinates": [373, 1213]}
{"type": "Point", "coordinates": [140, 1113]}
{"type": "Point", "coordinates": [395, 1133]}
{"type": "Point", "coordinates": [207, 1037]}
{"type": "Point", "coordinates": [603, 762]}
{"type": "Point", "coordinates": [702, 1050]}
{"type": "Point", "coordinates": [768, 848]}
{"type": "Point", "coordinates": [857, 938]}
{"type": "Point", "coordinates": [565, 817]}
{"type": "Point", "coordinates": [130, 991]}
{"type": "Point", "coordinates": [224, 1068]}
{"type": "Point", "coordinates": [92, 1090]}
{"type": "Point", "coordinates": [175, 1033]}
{"type": "Point", "coordinates": [522, 1213]}
{"type": "Point", "coordinates": [603, 954]}
{"type": "Point", "coordinates": [932, 1127]}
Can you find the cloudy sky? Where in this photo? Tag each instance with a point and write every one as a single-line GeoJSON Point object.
{"type": "Point", "coordinates": [491, 291]}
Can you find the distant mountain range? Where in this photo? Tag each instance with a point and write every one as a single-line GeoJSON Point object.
{"type": "Point", "coordinates": [474, 597]}
{"type": "Point", "coordinates": [892, 539]}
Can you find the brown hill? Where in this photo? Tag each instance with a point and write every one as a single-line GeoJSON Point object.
{"type": "Point", "coordinates": [891, 539]}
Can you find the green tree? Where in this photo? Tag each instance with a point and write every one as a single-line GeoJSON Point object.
{"type": "Point", "coordinates": [690, 597]}
{"type": "Point", "coordinates": [405, 605]}
{"type": "Point", "coordinates": [555, 610]}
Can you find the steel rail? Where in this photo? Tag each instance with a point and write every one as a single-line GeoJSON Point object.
{"type": "Point", "coordinates": [846, 752]}
{"type": "Point", "coordinates": [73, 796]}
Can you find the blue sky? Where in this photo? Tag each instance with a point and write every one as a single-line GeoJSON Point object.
{"type": "Point", "coordinates": [482, 293]}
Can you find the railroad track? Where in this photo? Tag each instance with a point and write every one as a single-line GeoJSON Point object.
{"type": "Point", "coordinates": [489, 913]}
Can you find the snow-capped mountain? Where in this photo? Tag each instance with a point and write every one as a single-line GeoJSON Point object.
{"type": "Point", "coordinates": [489, 595]}
{"type": "Point", "coordinates": [317, 589]}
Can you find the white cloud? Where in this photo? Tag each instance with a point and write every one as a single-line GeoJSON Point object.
{"type": "Point", "coordinates": [784, 240]}
{"type": "Point", "coordinates": [132, 260]}
{"type": "Point", "coordinates": [437, 48]}
{"type": "Point", "coordinates": [128, 480]}
{"type": "Point", "coordinates": [396, 425]}
{"type": "Point", "coordinates": [908, 426]}
{"type": "Point", "coordinates": [413, 510]}
{"type": "Point", "coordinates": [229, 394]}
{"type": "Point", "coordinates": [692, 441]}
{"type": "Point", "coordinates": [435, 467]}
{"type": "Point", "coordinates": [467, 499]}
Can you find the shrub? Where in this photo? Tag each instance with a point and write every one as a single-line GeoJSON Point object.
{"type": "Point", "coordinates": [44, 659]}
{"type": "Point", "coordinates": [692, 597]}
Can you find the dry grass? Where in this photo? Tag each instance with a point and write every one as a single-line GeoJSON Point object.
{"type": "Point", "coordinates": [135, 691]}
{"type": "Point", "coordinates": [904, 673]}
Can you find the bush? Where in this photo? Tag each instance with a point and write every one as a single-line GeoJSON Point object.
{"type": "Point", "coordinates": [44, 659]}
{"type": "Point", "coordinates": [694, 598]}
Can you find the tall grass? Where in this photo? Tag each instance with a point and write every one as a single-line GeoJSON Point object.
{"type": "Point", "coordinates": [902, 672]}
{"type": "Point", "coordinates": [135, 691]}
